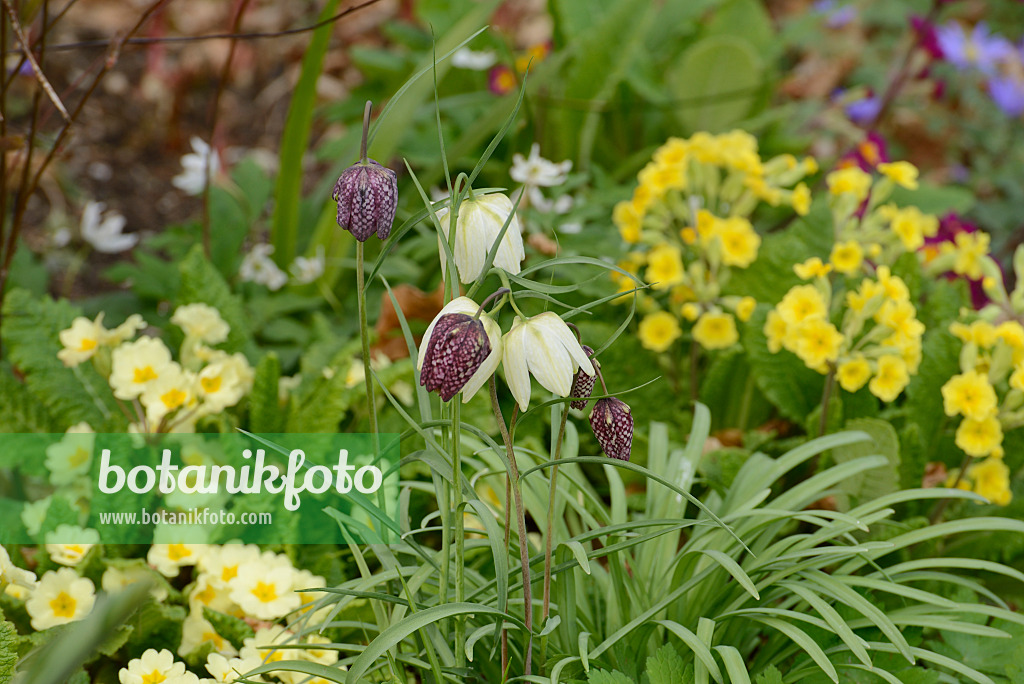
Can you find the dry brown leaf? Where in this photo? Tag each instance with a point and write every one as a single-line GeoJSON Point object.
{"type": "Point", "coordinates": [416, 305]}
{"type": "Point", "coordinates": [935, 475]}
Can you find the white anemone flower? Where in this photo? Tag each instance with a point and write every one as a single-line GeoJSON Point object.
{"type": "Point", "coordinates": [477, 227]}
{"type": "Point", "coordinates": [103, 230]}
{"type": "Point", "coordinates": [544, 346]}
{"type": "Point", "coordinates": [307, 269]}
{"type": "Point", "coordinates": [465, 305]}
{"type": "Point", "coordinates": [192, 179]}
{"type": "Point", "coordinates": [258, 267]}
{"type": "Point", "coordinates": [535, 170]}
{"type": "Point", "coordinates": [474, 60]}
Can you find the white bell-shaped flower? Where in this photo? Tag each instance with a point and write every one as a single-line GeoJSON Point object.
{"type": "Point", "coordinates": [465, 305]}
{"type": "Point", "coordinates": [477, 227]}
{"type": "Point", "coordinates": [544, 346]}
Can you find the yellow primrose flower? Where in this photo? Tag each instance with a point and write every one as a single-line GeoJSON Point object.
{"type": "Point", "coordinates": [60, 597]}
{"type": "Point", "coordinates": [672, 152]}
{"type": "Point", "coordinates": [981, 333]}
{"type": "Point", "coordinates": [890, 379]}
{"type": "Point", "coordinates": [628, 221]}
{"type": "Point", "coordinates": [812, 268]}
{"type": "Point", "coordinates": [153, 667]}
{"type": "Point", "coordinates": [196, 630]}
{"type": "Point", "coordinates": [136, 365]}
{"type": "Point", "coordinates": [1017, 378]}
{"type": "Point", "coordinates": [740, 242]}
{"type": "Point", "coordinates": [661, 178]}
{"type": "Point", "coordinates": [851, 181]}
{"type": "Point", "coordinates": [847, 257]}
{"type": "Point", "coordinates": [265, 593]}
{"type": "Point", "coordinates": [81, 340]}
{"type": "Point", "coordinates": [690, 311]}
{"type": "Point", "coordinates": [68, 544]}
{"type": "Point", "coordinates": [912, 226]}
{"type": "Point", "coordinates": [818, 342]}
{"type": "Point", "coordinates": [853, 374]}
{"type": "Point", "coordinates": [892, 285]}
{"type": "Point", "coordinates": [801, 303]}
{"type": "Point", "coordinates": [715, 330]}
{"type": "Point", "coordinates": [659, 330]}
{"type": "Point", "coordinates": [969, 394]}
{"type": "Point", "coordinates": [979, 436]}
{"type": "Point", "coordinates": [745, 308]}
{"type": "Point", "coordinates": [801, 199]}
{"type": "Point", "coordinates": [1012, 333]}
{"type": "Point", "coordinates": [202, 322]}
{"type": "Point", "coordinates": [868, 290]}
{"type": "Point", "coordinates": [174, 389]}
{"type": "Point", "coordinates": [970, 248]}
{"type": "Point", "coordinates": [992, 480]}
{"type": "Point", "coordinates": [664, 266]}
{"type": "Point", "coordinates": [900, 172]}
{"type": "Point", "coordinates": [168, 559]}
{"type": "Point", "coordinates": [707, 225]}
{"type": "Point", "coordinates": [223, 383]}
{"type": "Point", "coordinates": [776, 330]}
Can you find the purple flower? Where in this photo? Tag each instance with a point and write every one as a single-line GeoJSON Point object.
{"type": "Point", "coordinates": [979, 50]}
{"type": "Point", "coordinates": [583, 384]}
{"type": "Point", "coordinates": [612, 423]}
{"type": "Point", "coordinates": [864, 110]}
{"type": "Point", "coordinates": [367, 196]}
{"type": "Point", "coordinates": [927, 37]}
{"type": "Point", "coordinates": [458, 346]}
{"type": "Point", "coordinates": [1008, 94]}
{"type": "Point", "coordinates": [835, 17]}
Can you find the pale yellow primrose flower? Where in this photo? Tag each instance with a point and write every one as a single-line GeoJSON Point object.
{"type": "Point", "coordinates": [465, 305]}
{"type": "Point", "coordinates": [153, 667]}
{"type": "Point", "coordinates": [223, 383]}
{"type": "Point", "coordinates": [117, 579]}
{"type": "Point", "coordinates": [546, 347]}
{"type": "Point", "coordinates": [136, 365]}
{"type": "Point", "coordinates": [202, 322]}
{"type": "Point", "coordinates": [71, 552]}
{"type": "Point", "coordinates": [61, 597]}
{"type": "Point", "coordinates": [69, 458]}
{"type": "Point", "coordinates": [227, 671]}
{"type": "Point", "coordinates": [168, 559]}
{"type": "Point", "coordinates": [196, 631]}
{"type": "Point", "coordinates": [265, 593]}
{"type": "Point", "coordinates": [12, 574]}
{"type": "Point", "coordinates": [476, 228]}
{"type": "Point", "coordinates": [81, 341]}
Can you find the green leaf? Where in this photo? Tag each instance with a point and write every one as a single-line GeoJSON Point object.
{"type": "Point", "coordinates": [608, 677]}
{"type": "Point", "coordinates": [201, 282]}
{"type": "Point", "coordinates": [30, 335]}
{"type": "Point", "coordinates": [718, 78]}
{"type": "Point", "coordinates": [784, 380]}
{"type": "Point", "coordinates": [287, 192]}
{"type": "Point", "coordinates": [19, 410]}
{"type": "Point", "coordinates": [769, 675]}
{"type": "Point", "coordinates": [877, 482]}
{"type": "Point", "coordinates": [667, 667]}
{"type": "Point", "coordinates": [8, 650]}
{"type": "Point", "coordinates": [231, 628]}
{"type": "Point", "coordinates": [265, 414]}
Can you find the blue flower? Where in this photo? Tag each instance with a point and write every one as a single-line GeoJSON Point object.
{"type": "Point", "coordinates": [1007, 87]}
{"type": "Point", "coordinates": [863, 111]}
{"type": "Point", "coordinates": [978, 50]}
{"type": "Point", "coordinates": [835, 17]}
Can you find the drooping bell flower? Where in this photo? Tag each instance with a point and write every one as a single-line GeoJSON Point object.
{"type": "Point", "coordinates": [367, 194]}
{"type": "Point", "coordinates": [612, 423]}
{"type": "Point", "coordinates": [545, 347]}
{"type": "Point", "coordinates": [583, 384]}
{"type": "Point", "coordinates": [459, 351]}
{"type": "Point", "coordinates": [477, 227]}
{"type": "Point", "coordinates": [367, 197]}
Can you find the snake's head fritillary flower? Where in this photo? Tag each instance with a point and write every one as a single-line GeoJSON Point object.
{"type": "Point", "coordinates": [545, 347]}
{"type": "Point", "coordinates": [458, 346]}
{"type": "Point", "coordinates": [367, 196]}
{"type": "Point", "coordinates": [612, 423]}
{"type": "Point", "coordinates": [477, 227]}
{"type": "Point", "coordinates": [453, 357]}
{"type": "Point", "coordinates": [583, 384]}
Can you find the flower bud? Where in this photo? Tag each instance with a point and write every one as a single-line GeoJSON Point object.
{"type": "Point", "coordinates": [458, 346]}
{"type": "Point", "coordinates": [612, 424]}
{"type": "Point", "coordinates": [583, 384]}
{"type": "Point", "coordinates": [367, 196]}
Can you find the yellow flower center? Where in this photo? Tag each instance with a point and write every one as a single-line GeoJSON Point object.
{"type": "Point", "coordinates": [210, 385]}
{"type": "Point", "coordinates": [145, 374]}
{"type": "Point", "coordinates": [172, 399]}
{"type": "Point", "coordinates": [176, 552]}
{"type": "Point", "coordinates": [154, 677]}
{"type": "Point", "coordinates": [229, 572]}
{"type": "Point", "coordinates": [63, 605]}
{"type": "Point", "coordinates": [78, 458]}
{"type": "Point", "coordinates": [87, 344]}
{"type": "Point", "coordinates": [265, 592]}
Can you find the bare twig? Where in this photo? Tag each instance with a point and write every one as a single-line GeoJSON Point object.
{"type": "Point", "coordinates": [214, 111]}
{"type": "Point", "coordinates": [27, 49]}
{"type": "Point", "coordinates": [256, 35]}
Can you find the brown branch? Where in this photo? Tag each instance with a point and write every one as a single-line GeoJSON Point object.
{"type": "Point", "coordinates": [27, 49]}
{"type": "Point", "coordinates": [256, 35]}
{"type": "Point", "coordinates": [47, 25]}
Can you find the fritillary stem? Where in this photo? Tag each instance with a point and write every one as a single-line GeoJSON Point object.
{"type": "Point", "coordinates": [524, 552]}
{"type": "Point", "coordinates": [460, 532]}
